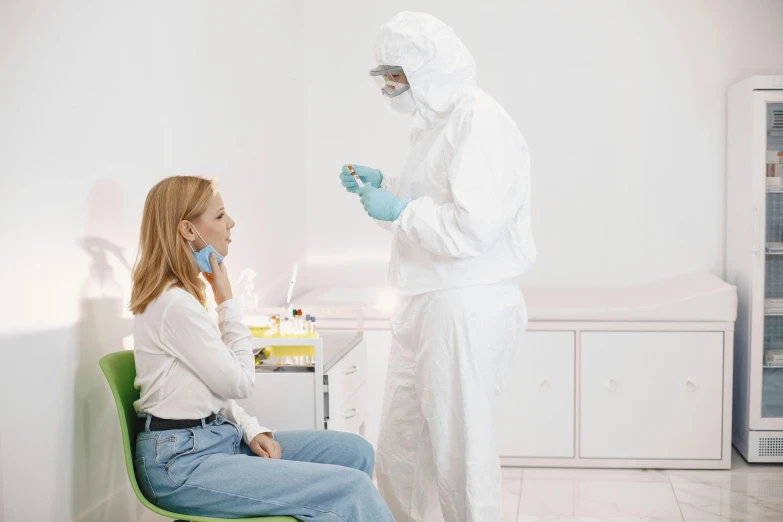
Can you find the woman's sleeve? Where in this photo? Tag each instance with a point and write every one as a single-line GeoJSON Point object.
{"type": "Point", "coordinates": [249, 425]}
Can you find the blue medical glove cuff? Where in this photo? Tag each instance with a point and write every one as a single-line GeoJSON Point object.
{"type": "Point", "coordinates": [399, 206]}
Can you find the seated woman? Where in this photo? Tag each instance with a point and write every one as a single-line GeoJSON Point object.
{"type": "Point", "coordinates": [197, 451]}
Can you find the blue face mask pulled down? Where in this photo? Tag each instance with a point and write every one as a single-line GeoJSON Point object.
{"type": "Point", "coordinates": [202, 256]}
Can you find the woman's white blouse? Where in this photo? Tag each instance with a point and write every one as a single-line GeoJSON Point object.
{"type": "Point", "coordinates": [188, 369]}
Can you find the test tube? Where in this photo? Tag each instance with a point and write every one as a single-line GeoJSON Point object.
{"type": "Point", "coordinates": [355, 176]}
{"type": "Point", "coordinates": [293, 322]}
{"type": "Point", "coordinates": [307, 324]}
{"type": "Point", "coordinates": [313, 325]}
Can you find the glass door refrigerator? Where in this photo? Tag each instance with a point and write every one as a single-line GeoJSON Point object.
{"type": "Point", "coordinates": [754, 263]}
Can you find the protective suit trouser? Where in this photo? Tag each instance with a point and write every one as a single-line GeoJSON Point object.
{"type": "Point", "coordinates": [451, 353]}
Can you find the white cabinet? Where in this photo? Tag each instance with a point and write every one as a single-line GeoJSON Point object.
{"type": "Point", "coordinates": [535, 415]}
{"type": "Point", "coordinates": [619, 394]}
{"type": "Point", "coordinates": [615, 377]}
{"type": "Point", "coordinates": [284, 401]}
{"type": "Point", "coordinates": [651, 395]}
{"type": "Point", "coordinates": [346, 392]}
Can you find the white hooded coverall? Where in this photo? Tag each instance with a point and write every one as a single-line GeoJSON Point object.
{"type": "Point", "coordinates": [457, 251]}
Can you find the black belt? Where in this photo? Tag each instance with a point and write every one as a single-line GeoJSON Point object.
{"type": "Point", "coordinates": [157, 424]}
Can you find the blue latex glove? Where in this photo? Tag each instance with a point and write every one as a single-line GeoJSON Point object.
{"type": "Point", "coordinates": [382, 204]}
{"type": "Point", "coordinates": [366, 174]}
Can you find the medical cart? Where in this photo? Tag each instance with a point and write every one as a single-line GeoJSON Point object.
{"type": "Point", "coordinates": [328, 394]}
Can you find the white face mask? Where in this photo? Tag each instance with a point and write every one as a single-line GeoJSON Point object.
{"type": "Point", "coordinates": [402, 104]}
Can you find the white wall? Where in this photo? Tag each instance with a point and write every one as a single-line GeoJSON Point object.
{"type": "Point", "coordinates": [623, 105]}
{"type": "Point", "coordinates": [99, 101]}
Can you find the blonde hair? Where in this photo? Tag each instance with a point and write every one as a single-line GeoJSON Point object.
{"type": "Point", "coordinates": [164, 256]}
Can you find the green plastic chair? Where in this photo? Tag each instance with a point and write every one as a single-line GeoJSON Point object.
{"type": "Point", "coordinates": [120, 371]}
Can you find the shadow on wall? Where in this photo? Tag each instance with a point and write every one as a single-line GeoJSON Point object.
{"type": "Point", "coordinates": [98, 466]}
{"type": "Point", "coordinates": [100, 487]}
{"type": "Point", "coordinates": [64, 460]}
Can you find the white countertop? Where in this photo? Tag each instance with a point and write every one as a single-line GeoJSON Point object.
{"type": "Point", "coordinates": [698, 296]}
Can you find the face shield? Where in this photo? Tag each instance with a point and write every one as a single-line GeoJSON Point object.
{"type": "Point", "coordinates": [391, 80]}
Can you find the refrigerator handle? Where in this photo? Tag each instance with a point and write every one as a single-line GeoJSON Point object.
{"type": "Point", "coordinates": [756, 230]}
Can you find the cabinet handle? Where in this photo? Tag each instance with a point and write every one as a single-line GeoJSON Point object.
{"type": "Point", "coordinates": [691, 386]}
{"type": "Point", "coordinates": [543, 385]}
{"type": "Point", "coordinates": [352, 369]}
{"type": "Point", "coordinates": [612, 385]}
{"type": "Point", "coordinates": [353, 413]}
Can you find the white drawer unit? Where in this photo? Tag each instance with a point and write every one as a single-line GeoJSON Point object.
{"type": "Point", "coordinates": [537, 405]}
{"type": "Point", "coordinates": [651, 395]}
{"type": "Point", "coordinates": [347, 375]}
{"type": "Point", "coordinates": [351, 415]}
{"type": "Point", "coordinates": [329, 395]}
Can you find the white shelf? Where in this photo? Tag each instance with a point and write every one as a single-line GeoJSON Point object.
{"type": "Point", "coordinates": [774, 248]}
{"type": "Point", "coordinates": [773, 358]}
{"type": "Point", "coordinates": [773, 307]}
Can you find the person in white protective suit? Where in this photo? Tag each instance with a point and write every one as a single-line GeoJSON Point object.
{"type": "Point", "coordinates": [460, 218]}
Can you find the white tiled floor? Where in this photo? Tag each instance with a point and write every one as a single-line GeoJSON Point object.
{"type": "Point", "coordinates": [746, 493]}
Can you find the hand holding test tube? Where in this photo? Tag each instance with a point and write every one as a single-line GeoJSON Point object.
{"type": "Point", "coordinates": [355, 176]}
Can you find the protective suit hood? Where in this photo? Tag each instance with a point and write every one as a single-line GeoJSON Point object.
{"type": "Point", "coordinates": [439, 68]}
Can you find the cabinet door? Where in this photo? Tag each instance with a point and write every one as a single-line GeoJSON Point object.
{"type": "Point", "coordinates": [347, 376]}
{"type": "Point", "coordinates": [766, 356]}
{"type": "Point", "coordinates": [351, 372]}
{"type": "Point", "coordinates": [351, 415]}
{"type": "Point", "coordinates": [535, 415]}
{"type": "Point", "coordinates": [284, 401]}
{"type": "Point", "coordinates": [651, 395]}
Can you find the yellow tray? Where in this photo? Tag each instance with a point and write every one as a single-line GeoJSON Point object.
{"type": "Point", "coordinates": [292, 351]}
{"type": "Point", "coordinates": [290, 336]}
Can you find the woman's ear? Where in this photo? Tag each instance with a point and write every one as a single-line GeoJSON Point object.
{"type": "Point", "coordinates": [185, 230]}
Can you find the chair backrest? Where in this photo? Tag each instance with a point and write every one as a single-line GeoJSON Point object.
{"type": "Point", "coordinates": [120, 370]}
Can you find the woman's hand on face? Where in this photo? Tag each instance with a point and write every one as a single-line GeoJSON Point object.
{"type": "Point", "coordinates": [218, 279]}
{"type": "Point", "coordinates": [265, 446]}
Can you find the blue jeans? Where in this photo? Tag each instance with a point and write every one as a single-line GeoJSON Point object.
{"type": "Point", "coordinates": [209, 471]}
